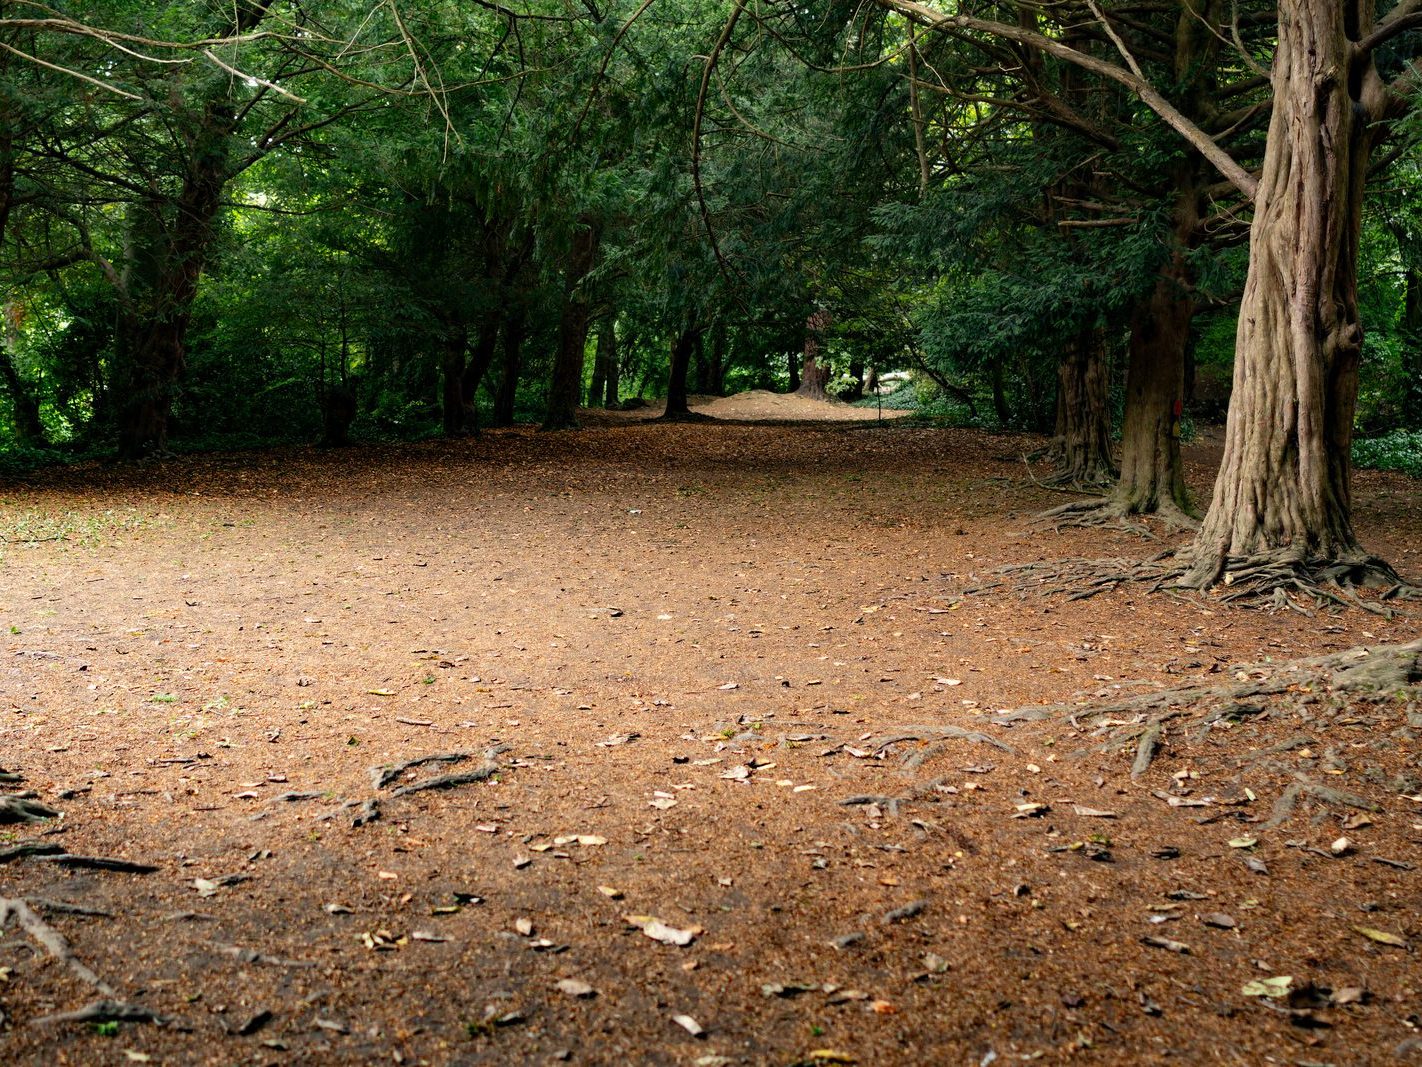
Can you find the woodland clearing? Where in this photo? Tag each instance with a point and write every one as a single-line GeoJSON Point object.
{"type": "Point", "coordinates": [723, 766]}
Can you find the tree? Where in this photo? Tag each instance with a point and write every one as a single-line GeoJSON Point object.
{"type": "Point", "coordinates": [1281, 509]}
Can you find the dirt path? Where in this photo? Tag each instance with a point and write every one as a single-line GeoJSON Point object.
{"type": "Point", "coordinates": [684, 648]}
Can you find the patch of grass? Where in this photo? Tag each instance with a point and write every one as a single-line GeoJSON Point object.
{"type": "Point", "coordinates": [1400, 450]}
{"type": "Point", "coordinates": [85, 528]}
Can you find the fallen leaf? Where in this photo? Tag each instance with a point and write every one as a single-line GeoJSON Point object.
{"type": "Point", "coordinates": [690, 1025]}
{"type": "Point", "coordinates": [609, 892]}
{"type": "Point", "coordinates": [574, 988]}
{"type": "Point", "coordinates": [1382, 937]}
{"type": "Point", "coordinates": [1093, 813]}
{"type": "Point", "coordinates": [1168, 944]}
{"type": "Point", "coordinates": [1243, 842]}
{"type": "Point", "coordinates": [1277, 986]}
{"type": "Point", "coordinates": [660, 931]}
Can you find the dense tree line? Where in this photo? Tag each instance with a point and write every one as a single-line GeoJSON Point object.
{"type": "Point", "coordinates": [273, 221]}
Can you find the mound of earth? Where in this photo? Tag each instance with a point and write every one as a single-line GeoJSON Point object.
{"type": "Point", "coordinates": [762, 405]}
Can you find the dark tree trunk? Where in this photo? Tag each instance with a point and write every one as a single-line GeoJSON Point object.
{"type": "Point", "coordinates": [1084, 412]}
{"type": "Point", "coordinates": [1283, 493]}
{"type": "Point", "coordinates": [792, 361]}
{"type": "Point", "coordinates": [1412, 347]}
{"type": "Point", "coordinates": [480, 358]}
{"type": "Point", "coordinates": [682, 349]}
{"type": "Point", "coordinates": [338, 411]}
{"type": "Point", "coordinates": [814, 375]}
{"type": "Point", "coordinates": [856, 386]}
{"type": "Point", "coordinates": [711, 362]}
{"type": "Point", "coordinates": [452, 359]}
{"type": "Point", "coordinates": [170, 241]}
{"type": "Point", "coordinates": [606, 373]}
{"type": "Point", "coordinates": [29, 430]}
{"type": "Point", "coordinates": [1152, 478]}
{"type": "Point", "coordinates": [566, 388]}
{"type": "Point", "coordinates": [1000, 406]}
{"type": "Point", "coordinates": [514, 330]}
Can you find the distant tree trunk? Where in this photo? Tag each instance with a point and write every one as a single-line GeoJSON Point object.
{"type": "Point", "coordinates": [170, 242]}
{"type": "Point", "coordinates": [338, 411]}
{"type": "Point", "coordinates": [1412, 347]}
{"type": "Point", "coordinates": [613, 366]}
{"type": "Point", "coordinates": [24, 409]}
{"type": "Point", "coordinates": [1152, 478]}
{"type": "Point", "coordinates": [814, 375]}
{"type": "Point", "coordinates": [1084, 412]}
{"type": "Point", "coordinates": [682, 349]}
{"type": "Point", "coordinates": [792, 360]}
{"type": "Point", "coordinates": [453, 353]}
{"type": "Point", "coordinates": [597, 388]}
{"type": "Point", "coordinates": [480, 358]}
{"type": "Point", "coordinates": [715, 383]}
{"type": "Point", "coordinates": [856, 383]}
{"type": "Point", "coordinates": [1283, 493]}
{"type": "Point", "coordinates": [566, 388]}
{"type": "Point", "coordinates": [514, 329]}
{"type": "Point", "coordinates": [1000, 406]}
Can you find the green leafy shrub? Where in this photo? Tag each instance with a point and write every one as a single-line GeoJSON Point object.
{"type": "Point", "coordinates": [1400, 450]}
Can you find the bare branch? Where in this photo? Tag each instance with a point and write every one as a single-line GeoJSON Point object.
{"type": "Point", "coordinates": [1148, 94]}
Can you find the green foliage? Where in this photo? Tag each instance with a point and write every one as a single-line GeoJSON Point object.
{"type": "Point", "coordinates": [1400, 450]}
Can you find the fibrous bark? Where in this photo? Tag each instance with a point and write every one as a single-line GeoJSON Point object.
{"type": "Point", "coordinates": [1283, 493]}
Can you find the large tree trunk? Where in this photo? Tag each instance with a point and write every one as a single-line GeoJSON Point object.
{"type": "Point", "coordinates": [1084, 412]}
{"type": "Point", "coordinates": [566, 388]}
{"type": "Point", "coordinates": [814, 375]}
{"type": "Point", "coordinates": [477, 366]}
{"type": "Point", "coordinates": [514, 330]}
{"type": "Point", "coordinates": [1283, 493]}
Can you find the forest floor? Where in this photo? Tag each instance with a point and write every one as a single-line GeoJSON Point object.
{"type": "Point", "coordinates": [737, 786]}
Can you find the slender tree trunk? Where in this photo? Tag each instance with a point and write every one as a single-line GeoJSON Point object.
{"type": "Point", "coordinates": [453, 354]}
{"type": "Point", "coordinates": [715, 383]}
{"type": "Point", "coordinates": [566, 388]}
{"type": "Point", "coordinates": [480, 359]}
{"type": "Point", "coordinates": [792, 361]}
{"type": "Point", "coordinates": [597, 388]}
{"type": "Point", "coordinates": [1283, 493]}
{"type": "Point", "coordinates": [612, 367]}
{"type": "Point", "coordinates": [1412, 347]}
{"type": "Point", "coordinates": [814, 375]}
{"type": "Point", "coordinates": [1084, 412]}
{"type": "Point", "coordinates": [682, 351]}
{"type": "Point", "coordinates": [1001, 408]}
{"type": "Point", "coordinates": [514, 329]}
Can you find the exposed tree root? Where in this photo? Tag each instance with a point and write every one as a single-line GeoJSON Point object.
{"type": "Point", "coordinates": [106, 1011]}
{"type": "Point", "coordinates": [1114, 512]}
{"type": "Point", "coordinates": [51, 940]}
{"type": "Point", "coordinates": [934, 733]}
{"type": "Point", "coordinates": [1143, 721]}
{"type": "Point", "coordinates": [382, 776]}
{"type": "Point", "coordinates": [21, 807]}
{"type": "Point", "coordinates": [1076, 579]}
{"type": "Point", "coordinates": [1277, 581]}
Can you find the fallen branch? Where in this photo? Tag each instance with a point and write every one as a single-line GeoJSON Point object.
{"type": "Point", "coordinates": [30, 848]}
